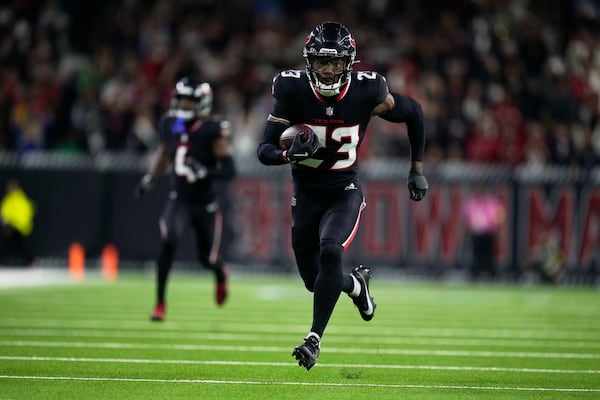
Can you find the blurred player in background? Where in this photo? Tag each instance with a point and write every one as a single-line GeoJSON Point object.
{"type": "Point", "coordinates": [337, 104]}
{"type": "Point", "coordinates": [196, 145]}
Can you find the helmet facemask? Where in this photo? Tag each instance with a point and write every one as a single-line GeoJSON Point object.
{"type": "Point", "coordinates": [329, 74]}
{"type": "Point", "coordinates": [329, 53]}
{"type": "Point", "coordinates": [191, 100]}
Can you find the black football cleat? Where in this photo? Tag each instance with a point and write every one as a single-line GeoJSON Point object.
{"type": "Point", "coordinates": [308, 352]}
{"type": "Point", "coordinates": [364, 301]}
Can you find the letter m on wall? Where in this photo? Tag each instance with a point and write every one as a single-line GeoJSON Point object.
{"type": "Point", "coordinates": [552, 213]}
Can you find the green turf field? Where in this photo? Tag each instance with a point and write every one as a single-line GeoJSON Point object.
{"type": "Point", "coordinates": [93, 340]}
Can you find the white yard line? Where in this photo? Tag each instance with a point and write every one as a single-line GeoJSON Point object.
{"type": "Point", "coordinates": [382, 331]}
{"type": "Point", "coordinates": [295, 365]}
{"type": "Point", "coordinates": [321, 384]}
{"type": "Point", "coordinates": [261, 337]}
{"type": "Point", "coordinates": [273, 349]}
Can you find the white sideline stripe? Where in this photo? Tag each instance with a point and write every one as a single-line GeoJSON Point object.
{"type": "Point", "coordinates": [283, 338]}
{"type": "Point", "coordinates": [385, 331]}
{"type": "Point", "coordinates": [284, 364]}
{"type": "Point", "coordinates": [273, 349]}
{"type": "Point", "coordinates": [267, 383]}
{"type": "Point", "coordinates": [36, 276]}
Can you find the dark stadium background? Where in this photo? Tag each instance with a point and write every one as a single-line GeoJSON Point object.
{"type": "Point", "coordinates": [510, 92]}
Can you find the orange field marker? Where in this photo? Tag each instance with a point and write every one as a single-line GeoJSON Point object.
{"type": "Point", "coordinates": [110, 262]}
{"type": "Point", "coordinates": [76, 261]}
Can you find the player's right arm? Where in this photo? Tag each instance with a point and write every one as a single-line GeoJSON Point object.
{"type": "Point", "coordinates": [268, 151]}
{"type": "Point", "coordinates": [160, 163]}
{"type": "Point", "coordinates": [161, 160]}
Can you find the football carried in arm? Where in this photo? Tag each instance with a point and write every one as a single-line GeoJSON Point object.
{"type": "Point", "coordinates": [287, 136]}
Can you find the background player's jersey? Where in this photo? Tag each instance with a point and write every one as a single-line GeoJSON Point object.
{"type": "Point", "coordinates": [340, 123]}
{"type": "Point", "coordinates": [187, 141]}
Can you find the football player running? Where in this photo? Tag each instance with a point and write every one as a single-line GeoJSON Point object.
{"type": "Point", "coordinates": [337, 103]}
{"type": "Point", "coordinates": [196, 145]}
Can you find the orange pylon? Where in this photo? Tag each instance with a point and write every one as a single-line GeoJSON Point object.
{"type": "Point", "coordinates": [76, 261]}
{"type": "Point", "coordinates": [110, 262]}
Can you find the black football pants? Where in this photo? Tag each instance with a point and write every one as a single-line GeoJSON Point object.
{"type": "Point", "coordinates": [323, 227]}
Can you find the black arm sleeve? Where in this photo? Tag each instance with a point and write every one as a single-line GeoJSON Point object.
{"type": "Point", "coordinates": [268, 150]}
{"type": "Point", "coordinates": [409, 111]}
{"type": "Point", "coordinates": [225, 169]}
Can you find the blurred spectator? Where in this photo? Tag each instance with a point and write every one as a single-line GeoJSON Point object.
{"type": "Point", "coordinates": [484, 142]}
{"type": "Point", "coordinates": [536, 151]}
{"type": "Point", "coordinates": [587, 147]}
{"type": "Point", "coordinates": [16, 215]}
{"type": "Point", "coordinates": [561, 145]}
{"type": "Point", "coordinates": [484, 213]}
{"type": "Point", "coordinates": [86, 115]}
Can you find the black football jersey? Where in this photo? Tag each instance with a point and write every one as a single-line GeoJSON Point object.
{"type": "Point", "coordinates": [340, 123]}
{"type": "Point", "coordinates": [185, 141]}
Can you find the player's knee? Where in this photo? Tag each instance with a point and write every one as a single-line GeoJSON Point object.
{"type": "Point", "coordinates": [309, 284]}
{"type": "Point", "coordinates": [307, 268]}
{"type": "Point", "coordinates": [207, 263]}
{"type": "Point", "coordinates": [331, 253]}
{"type": "Point", "coordinates": [169, 235]}
{"type": "Point", "coordinates": [166, 253]}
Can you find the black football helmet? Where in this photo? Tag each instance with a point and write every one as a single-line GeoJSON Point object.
{"type": "Point", "coordinates": [198, 92]}
{"type": "Point", "coordinates": [328, 41]}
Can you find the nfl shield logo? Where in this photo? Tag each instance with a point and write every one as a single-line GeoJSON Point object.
{"type": "Point", "coordinates": [329, 111]}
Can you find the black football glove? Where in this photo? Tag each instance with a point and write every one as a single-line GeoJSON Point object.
{"type": "Point", "coordinates": [197, 167]}
{"type": "Point", "coordinates": [301, 151]}
{"type": "Point", "coordinates": [146, 184]}
{"type": "Point", "coordinates": [417, 185]}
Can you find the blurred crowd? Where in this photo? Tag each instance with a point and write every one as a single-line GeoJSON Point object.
{"type": "Point", "coordinates": [513, 82]}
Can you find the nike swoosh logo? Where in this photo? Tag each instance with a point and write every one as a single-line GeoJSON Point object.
{"type": "Point", "coordinates": [370, 308]}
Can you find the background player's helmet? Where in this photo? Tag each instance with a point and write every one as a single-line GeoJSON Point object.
{"type": "Point", "coordinates": [329, 40]}
{"type": "Point", "coordinates": [200, 93]}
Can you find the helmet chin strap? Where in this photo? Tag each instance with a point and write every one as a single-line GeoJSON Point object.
{"type": "Point", "coordinates": [328, 90]}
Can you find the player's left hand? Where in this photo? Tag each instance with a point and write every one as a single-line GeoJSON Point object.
{"type": "Point", "coordinates": [417, 185]}
{"type": "Point", "coordinates": [197, 167]}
